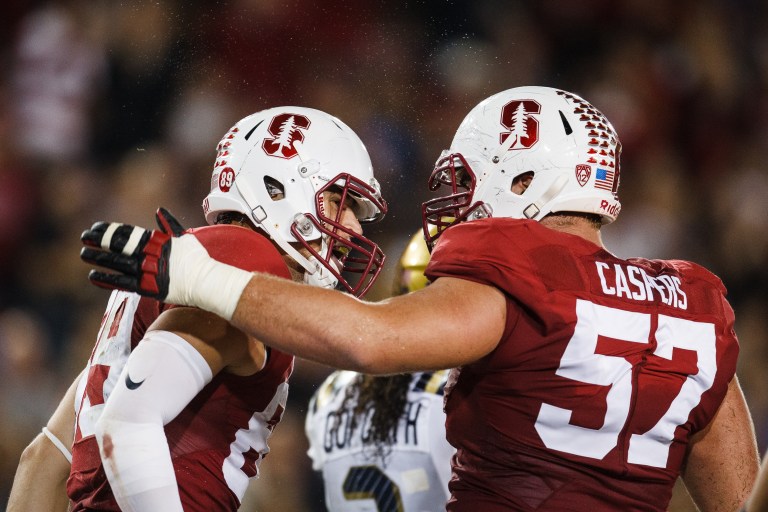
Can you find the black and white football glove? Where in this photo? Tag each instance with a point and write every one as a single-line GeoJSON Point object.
{"type": "Point", "coordinates": [165, 264]}
{"type": "Point", "coordinates": [139, 258]}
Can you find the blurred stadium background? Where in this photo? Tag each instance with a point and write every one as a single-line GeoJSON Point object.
{"type": "Point", "coordinates": [110, 109]}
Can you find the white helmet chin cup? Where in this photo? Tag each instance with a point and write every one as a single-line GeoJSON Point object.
{"type": "Point", "coordinates": [273, 167]}
{"type": "Point", "coordinates": [322, 277]}
{"type": "Point", "coordinates": [569, 146]}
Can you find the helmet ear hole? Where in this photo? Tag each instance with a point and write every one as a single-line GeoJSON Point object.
{"type": "Point", "coordinates": [275, 189]}
{"type": "Point", "coordinates": [463, 177]}
{"type": "Point", "coordinates": [521, 182]}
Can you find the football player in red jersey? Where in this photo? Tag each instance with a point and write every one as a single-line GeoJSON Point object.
{"type": "Point", "coordinates": [175, 407]}
{"type": "Point", "coordinates": [582, 381]}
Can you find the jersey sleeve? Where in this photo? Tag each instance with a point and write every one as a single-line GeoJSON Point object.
{"type": "Point", "coordinates": [242, 248]}
{"type": "Point", "coordinates": [481, 252]}
{"type": "Point", "coordinates": [147, 311]}
{"type": "Point", "coordinates": [694, 270]}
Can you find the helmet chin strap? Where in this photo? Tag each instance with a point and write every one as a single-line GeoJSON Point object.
{"type": "Point", "coordinates": [534, 209]}
{"type": "Point", "coordinates": [502, 149]}
{"type": "Point", "coordinates": [314, 272]}
{"type": "Point", "coordinates": [320, 276]}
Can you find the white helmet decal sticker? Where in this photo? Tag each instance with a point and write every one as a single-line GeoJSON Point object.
{"type": "Point", "coordinates": [583, 172]}
{"type": "Point", "coordinates": [518, 117]}
{"type": "Point", "coordinates": [604, 179]}
{"type": "Point", "coordinates": [226, 179]}
{"type": "Point", "coordinates": [286, 129]}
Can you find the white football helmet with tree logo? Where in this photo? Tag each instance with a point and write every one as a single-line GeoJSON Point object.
{"type": "Point", "coordinates": [273, 167]}
{"type": "Point", "coordinates": [569, 147]}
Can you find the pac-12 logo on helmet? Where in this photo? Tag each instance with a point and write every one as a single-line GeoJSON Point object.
{"type": "Point", "coordinates": [518, 117]}
{"type": "Point", "coordinates": [286, 130]}
{"type": "Point", "coordinates": [583, 172]}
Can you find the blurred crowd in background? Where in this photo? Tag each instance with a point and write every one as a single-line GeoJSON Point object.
{"type": "Point", "coordinates": [110, 109]}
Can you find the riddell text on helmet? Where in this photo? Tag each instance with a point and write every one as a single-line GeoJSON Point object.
{"type": "Point", "coordinates": [610, 208]}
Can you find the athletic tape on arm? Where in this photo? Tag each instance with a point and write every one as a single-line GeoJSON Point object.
{"type": "Point", "coordinates": [198, 280]}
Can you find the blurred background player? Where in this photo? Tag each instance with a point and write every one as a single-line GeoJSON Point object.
{"type": "Point", "coordinates": [581, 381]}
{"type": "Point", "coordinates": [175, 406]}
{"type": "Point", "coordinates": [379, 441]}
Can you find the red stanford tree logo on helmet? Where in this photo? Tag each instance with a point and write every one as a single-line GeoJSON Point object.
{"type": "Point", "coordinates": [286, 130]}
{"type": "Point", "coordinates": [517, 117]}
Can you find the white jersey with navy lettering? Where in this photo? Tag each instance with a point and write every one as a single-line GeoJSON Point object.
{"type": "Point", "coordinates": [412, 477]}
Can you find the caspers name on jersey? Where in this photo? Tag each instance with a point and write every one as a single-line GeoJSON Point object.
{"type": "Point", "coordinates": [634, 283]}
{"type": "Point", "coordinates": [341, 433]}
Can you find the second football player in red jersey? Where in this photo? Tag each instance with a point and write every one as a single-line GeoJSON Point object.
{"type": "Point", "coordinates": [175, 406]}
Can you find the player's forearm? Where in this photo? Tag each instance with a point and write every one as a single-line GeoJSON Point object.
{"type": "Point", "coordinates": [40, 481]}
{"type": "Point", "coordinates": [723, 460]}
{"type": "Point", "coordinates": [428, 329]}
{"type": "Point", "coordinates": [41, 477]}
{"type": "Point", "coordinates": [758, 500]}
{"type": "Point", "coordinates": [314, 323]}
{"type": "Point", "coordinates": [721, 485]}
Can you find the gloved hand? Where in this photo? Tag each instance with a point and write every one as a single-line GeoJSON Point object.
{"type": "Point", "coordinates": [164, 264]}
{"type": "Point", "coordinates": [140, 257]}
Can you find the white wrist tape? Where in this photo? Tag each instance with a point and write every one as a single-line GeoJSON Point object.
{"type": "Point", "coordinates": [164, 373]}
{"type": "Point", "coordinates": [58, 444]}
{"type": "Point", "coordinates": [198, 280]}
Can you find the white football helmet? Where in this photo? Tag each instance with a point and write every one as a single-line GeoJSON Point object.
{"type": "Point", "coordinates": [569, 146]}
{"type": "Point", "coordinates": [273, 166]}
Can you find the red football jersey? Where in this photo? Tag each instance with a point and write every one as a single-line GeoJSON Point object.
{"type": "Point", "coordinates": [605, 370]}
{"type": "Point", "coordinates": [218, 441]}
